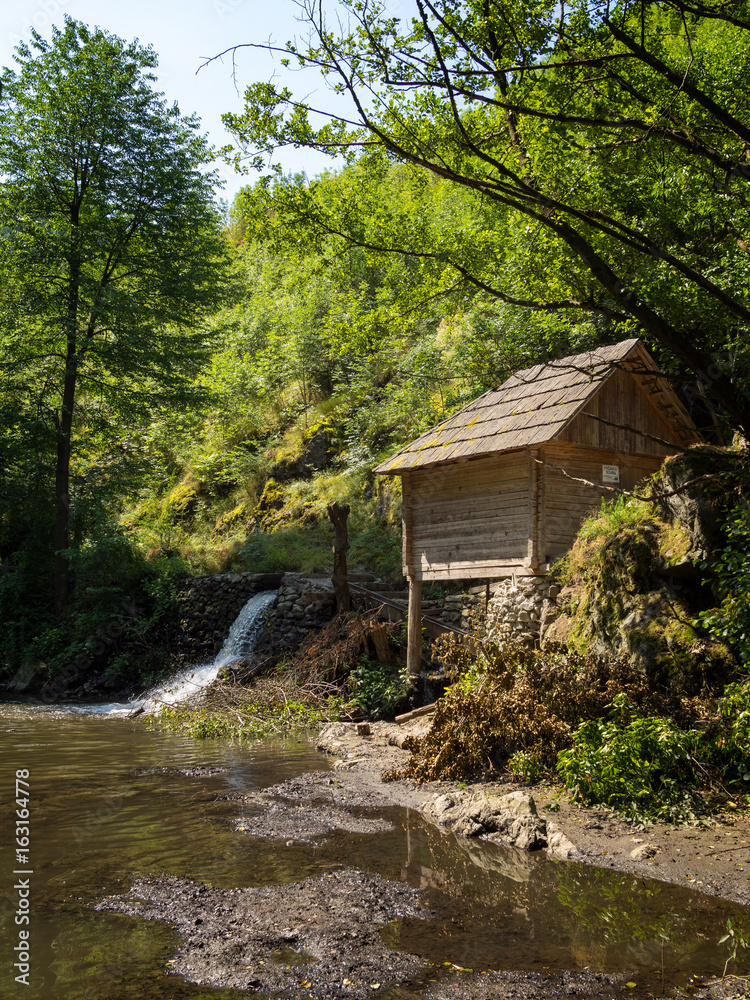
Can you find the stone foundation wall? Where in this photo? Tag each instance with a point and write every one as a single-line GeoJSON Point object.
{"type": "Point", "coordinates": [466, 611]}
{"type": "Point", "coordinates": [518, 607]}
{"type": "Point", "coordinates": [515, 608]}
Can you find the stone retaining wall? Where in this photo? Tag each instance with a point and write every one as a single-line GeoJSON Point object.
{"type": "Point", "coordinates": [305, 603]}
{"type": "Point", "coordinates": [208, 605]}
{"type": "Point", "coordinates": [518, 607]}
{"type": "Point", "coordinates": [515, 607]}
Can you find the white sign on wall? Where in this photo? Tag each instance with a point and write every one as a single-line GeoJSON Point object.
{"type": "Point", "coordinates": [610, 473]}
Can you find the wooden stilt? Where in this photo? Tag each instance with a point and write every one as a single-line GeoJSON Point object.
{"type": "Point", "coordinates": [414, 634]}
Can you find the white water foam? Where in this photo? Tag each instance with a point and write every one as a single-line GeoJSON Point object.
{"type": "Point", "coordinates": [242, 638]}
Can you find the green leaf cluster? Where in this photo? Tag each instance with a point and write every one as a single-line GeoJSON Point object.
{"type": "Point", "coordinates": [642, 767]}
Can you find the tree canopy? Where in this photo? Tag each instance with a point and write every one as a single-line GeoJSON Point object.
{"type": "Point", "coordinates": [111, 251]}
{"type": "Point", "coordinates": [607, 143]}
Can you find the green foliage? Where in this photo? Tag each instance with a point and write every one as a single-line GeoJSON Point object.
{"type": "Point", "coordinates": [619, 597]}
{"type": "Point", "coordinates": [576, 182]}
{"type": "Point", "coordinates": [643, 767]}
{"type": "Point", "coordinates": [378, 688]}
{"type": "Point", "coordinates": [730, 622]}
{"type": "Point", "coordinates": [516, 704]}
{"type": "Point", "coordinates": [253, 722]}
{"type": "Point", "coordinates": [613, 516]}
{"type": "Point", "coordinates": [735, 941]}
{"type": "Point", "coordinates": [527, 766]}
{"type": "Point", "coordinates": [111, 253]}
{"type": "Point", "coordinates": [114, 626]}
{"type": "Point", "coordinates": [293, 550]}
{"type": "Point", "coordinates": [728, 741]}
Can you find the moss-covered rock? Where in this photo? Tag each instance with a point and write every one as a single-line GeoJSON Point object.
{"type": "Point", "coordinates": [638, 574]}
{"type": "Point", "coordinates": [693, 490]}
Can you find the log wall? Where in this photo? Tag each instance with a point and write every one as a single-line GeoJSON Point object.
{"type": "Point", "coordinates": [565, 501]}
{"type": "Point", "coordinates": [469, 519]}
{"type": "Point", "coordinates": [622, 416]}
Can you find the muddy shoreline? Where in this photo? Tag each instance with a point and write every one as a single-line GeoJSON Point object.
{"type": "Point", "coordinates": [329, 936]}
{"type": "Point", "coordinates": [714, 859]}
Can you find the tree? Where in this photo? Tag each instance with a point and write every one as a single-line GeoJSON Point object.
{"type": "Point", "coordinates": [111, 247]}
{"type": "Point", "coordinates": [610, 140]}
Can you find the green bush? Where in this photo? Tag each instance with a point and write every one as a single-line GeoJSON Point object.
{"type": "Point", "coordinates": [728, 744]}
{"type": "Point", "coordinates": [641, 766]}
{"type": "Point", "coordinates": [378, 687]}
{"type": "Point", "coordinates": [113, 624]}
{"type": "Point", "coordinates": [527, 766]}
{"type": "Point", "coordinates": [731, 621]}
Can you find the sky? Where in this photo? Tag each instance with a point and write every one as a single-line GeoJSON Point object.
{"type": "Point", "coordinates": [185, 33]}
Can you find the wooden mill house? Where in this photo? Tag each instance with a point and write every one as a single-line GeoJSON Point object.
{"type": "Point", "coordinates": [500, 488]}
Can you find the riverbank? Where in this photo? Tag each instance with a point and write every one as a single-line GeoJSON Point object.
{"type": "Point", "coordinates": [714, 859]}
{"type": "Point", "coordinates": [352, 934]}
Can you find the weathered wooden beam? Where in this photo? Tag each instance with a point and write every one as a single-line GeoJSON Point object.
{"type": "Point", "coordinates": [414, 629]}
{"type": "Point", "coordinates": [416, 712]}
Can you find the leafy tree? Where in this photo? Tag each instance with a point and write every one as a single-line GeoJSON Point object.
{"type": "Point", "coordinates": [606, 140]}
{"type": "Point", "coordinates": [110, 249]}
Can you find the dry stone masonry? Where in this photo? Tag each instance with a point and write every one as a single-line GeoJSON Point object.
{"type": "Point", "coordinates": [515, 608]}
{"type": "Point", "coordinates": [210, 604]}
{"type": "Point", "coordinates": [518, 607]}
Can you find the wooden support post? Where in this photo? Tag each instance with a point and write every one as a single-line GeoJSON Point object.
{"type": "Point", "coordinates": [414, 633]}
{"type": "Point", "coordinates": [338, 513]}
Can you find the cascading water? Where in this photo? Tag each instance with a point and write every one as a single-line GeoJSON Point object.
{"type": "Point", "coordinates": [242, 639]}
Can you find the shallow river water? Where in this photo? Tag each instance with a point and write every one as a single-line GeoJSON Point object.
{"type": "Point", "coordinates": [106, 803]}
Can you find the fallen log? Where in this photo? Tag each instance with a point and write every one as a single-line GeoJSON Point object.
{"type": "Point", "coordinates": [416, 712]}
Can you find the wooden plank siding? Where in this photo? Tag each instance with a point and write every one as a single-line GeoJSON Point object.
{"type": "Point", "coordinates": [622, 417]}
{"type": "Point", "coordinates": [567, 502]}
{"type": "Point", "coordinates": [501, 487]}
{"type": "Point", "coordinates": [468, 519]}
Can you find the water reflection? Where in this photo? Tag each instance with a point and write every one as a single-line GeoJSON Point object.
{"type": "Point", "coordinates": [97, 820]}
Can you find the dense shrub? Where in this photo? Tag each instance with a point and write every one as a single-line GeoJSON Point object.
{"type": "Point", "coordinates": [521, 705]}
{"type": "Point", "coordinates": [641, 766]}
{"type": "Point", "coordinates": [113, 625]}
{"type": "Point", "coordinates": [378, 688]}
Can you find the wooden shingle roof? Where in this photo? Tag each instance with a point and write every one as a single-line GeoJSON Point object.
{"type": "Point", "coordinates": [535, 405]}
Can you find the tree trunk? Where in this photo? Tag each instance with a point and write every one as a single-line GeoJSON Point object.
{"type": "Point", "coordinates": [414, 629]}
{"type": "Point", "coordinates": [64, 425]}
{"type": "Point", "coordinates": [338, 513]}
{"type": "Point", "coordinates": [62, 492]}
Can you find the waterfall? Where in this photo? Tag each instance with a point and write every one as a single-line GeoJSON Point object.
{"type": "Point", "coordinates": [242, 639]}
{"type": "Point", "coordinates": [243, 636]}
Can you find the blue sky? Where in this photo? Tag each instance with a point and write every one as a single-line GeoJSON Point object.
{"type": "Point", "coordinates": [184, 33]}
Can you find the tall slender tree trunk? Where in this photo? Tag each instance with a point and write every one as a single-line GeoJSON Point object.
{"type": "Point", "coordinates": [62, 483]}
{"type": "Point", "coordinates": [61, 534]}
{"type": "Point", "coordinates": [338, 513]}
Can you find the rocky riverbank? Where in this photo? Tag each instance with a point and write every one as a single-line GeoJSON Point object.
{"type": "Point", "coordinates": [715, 858]}
{"type": "Point", "coordinates": [329, 936]}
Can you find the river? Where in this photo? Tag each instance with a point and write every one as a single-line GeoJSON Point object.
{"type": "Point", "coordinates": [109, 800]}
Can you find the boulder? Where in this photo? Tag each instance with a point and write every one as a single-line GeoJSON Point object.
{"type": "Point", "coordinates": [558, 844]}
{"type": "Point", "coordinates": [509, 819]}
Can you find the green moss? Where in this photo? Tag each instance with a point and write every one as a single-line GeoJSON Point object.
{"type": "Point", "coordinates": [617, 597]}
{"type": "Point", "coordinates": [180, 503]}
{"type": "Point", "coordinates": [674, 544]}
